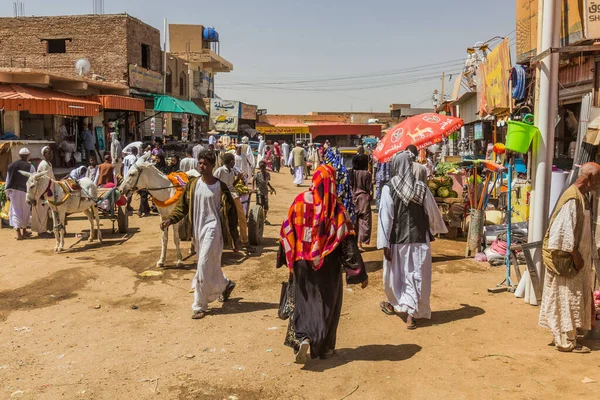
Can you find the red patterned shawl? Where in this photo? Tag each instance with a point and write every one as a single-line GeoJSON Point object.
{"type": "Point", "coordinates": [316, 222]}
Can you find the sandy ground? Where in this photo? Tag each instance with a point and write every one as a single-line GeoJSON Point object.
{"type": "Point", "coordinates": [68, 329]}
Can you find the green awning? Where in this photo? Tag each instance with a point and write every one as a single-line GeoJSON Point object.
{"type": "Point", "coordinates": [170, 104]}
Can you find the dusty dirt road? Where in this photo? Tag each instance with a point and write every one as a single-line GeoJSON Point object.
{"type": "Point", "coordinates": [68, 329]}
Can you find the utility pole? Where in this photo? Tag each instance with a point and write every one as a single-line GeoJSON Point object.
{"type": "Point", "coordinates": [165, 57]}
{"type": "Point", "coordinates": [546, 106]}
{"type": "Point", "coordinates": [443, 87]}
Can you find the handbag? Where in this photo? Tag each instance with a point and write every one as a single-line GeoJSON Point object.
{"type": "Point", "coordinates": [284, 308]}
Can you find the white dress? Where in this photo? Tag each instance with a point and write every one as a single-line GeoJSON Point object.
{"type": "Point", "coordinates": [39, 213]}
{"type": "Point", "coordinates": [407, 278]}
{"type": "Point", "coordinates": [209, 281]}
{"type": "Point", "coordinates": [567, 302]}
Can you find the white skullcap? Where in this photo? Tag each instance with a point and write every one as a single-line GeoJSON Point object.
{"type": "Point", "coordinates": [245, 139]}
{"type": "Point", "coordinates": [45, 148]}
{"type": "Point", "coordinates": [24, 151]}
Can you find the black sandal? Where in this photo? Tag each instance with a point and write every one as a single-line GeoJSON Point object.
{"type": "Point", "coordinates": [384, 307]}
{"type": "Point", "coordinates": [227, 292]}
{"type": "Point", "coordinates": [413, 326]}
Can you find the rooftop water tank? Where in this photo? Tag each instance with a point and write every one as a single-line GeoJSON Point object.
{"type": "Point", "coordinates": [210, 35]}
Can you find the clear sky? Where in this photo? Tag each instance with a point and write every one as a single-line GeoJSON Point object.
{"type": "Point", "coordinates": [297, 56]}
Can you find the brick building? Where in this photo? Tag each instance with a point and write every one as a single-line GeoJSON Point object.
{"type": "Point", "coordinates": [110, 42]}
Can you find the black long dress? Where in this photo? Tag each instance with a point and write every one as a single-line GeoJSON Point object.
{"type": "Point", "coordinates": [315, 297]}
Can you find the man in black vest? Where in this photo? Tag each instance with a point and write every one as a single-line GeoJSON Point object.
{"type": "Point", "coordinates": [408, 219]}
{"type": "Point", "coordinates": [16, 191]}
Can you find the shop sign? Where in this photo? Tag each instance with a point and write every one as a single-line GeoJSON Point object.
{"type": "Point", "coordinates": [224, 115]}
{"type": "Point", "coordinates": [591, 11]}
{"type": "Point", "coordinates": [142, 78]}
{"type": "Point", "coordinates": [282, 130]}
{"type": "Point", "coordinates": [248, 111]}
{"type": "Point", "coordinates": [527, 25]}
{"type": "Point", "coordinates": [478, 131]}
{"type": "Point", "coordinates": [496, 76]}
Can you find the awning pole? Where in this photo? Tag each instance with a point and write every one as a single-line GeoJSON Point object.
{"type": "Point", "coordinates": [150, 117]}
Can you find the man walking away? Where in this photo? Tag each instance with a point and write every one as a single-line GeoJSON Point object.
{"type": "Point", "coordinates": [568, 253]}
{"type": "Point", "coordinates": [285, 148]}
{"type": "Point", "coordinates": [408, 219]}
{"type": "Point", "coordinates": [419, 170]}
{"type": "Point", "coordinates": [128, 162]}
{"type": "Point", "coordinates": [16, 191]}
{"type": "Point", "coordinates": [189, 163]}
{"type": "Point", "coordinates": [196, 151]}
{"type": "Point", "coordinates": [297, 160]}
{"type": "Point", "coordinates": [230, 175]}
{"type": "Point", "coordinates": [362, 195]}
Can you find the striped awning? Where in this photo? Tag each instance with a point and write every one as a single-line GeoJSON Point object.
{"type": "Point", "coordinates": [45, 101]}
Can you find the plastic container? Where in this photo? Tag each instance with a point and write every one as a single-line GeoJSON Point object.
{"type": "Point", "coordinates": [519, 136]}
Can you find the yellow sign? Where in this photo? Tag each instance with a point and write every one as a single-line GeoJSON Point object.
{"type": "Point", "coordinates": [282, 130]}
{"type": "Point", "coordinates": [496, 76]}
{"type": "Point", "coordinates": [142, 78]}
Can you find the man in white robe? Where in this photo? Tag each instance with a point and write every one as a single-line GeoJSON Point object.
{"type": "Point", "coordinates": [189, 162]}
{"type": "Point", "coordinates": [408, 219]}
{"type": "Point", "coordinates": [19, 212]}
{"type": "Point", "coordinates": [201, 202]}
{"type": "Point", "coordinates": [569, 253]}
{"type": "Point", "coordinates": [41, 210]}
{"type": "Point", "coordinates": [285, 147]}
{"type": "Point", "coordinates": [297, 160]}
{"type": "Point", "coordinates": [116, 152]}
{"type": "Point", "coordinates": [262, 146]}
{"type": "Point", "coordinates": [247, 157]}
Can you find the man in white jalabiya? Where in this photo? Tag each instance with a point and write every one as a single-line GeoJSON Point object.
{"type": "Point", "coordinates": [188, 163]}
{"type": "Point", "coordinates": [285, 148]}
{"type": "Point", "coordinates": [116, 152]}
{"type": "Point", "coordinates": [248, 165]}
{"type": "Point", "coordinates": [569, 251]}
{"type": "Point", "coordinates": [206, 201]}
{"type": "Point", "coordinates": [128, 162]}
{"type": "Point", "coordinates": [196, 150]}
{"type": "Point", "coordinates": [297, 160]}
{"type": "Point", "coordinates": [408, 219]}
{"type": "Point", "coordinates": [262, 146]}
{"type": "Point", "coordinates": [39, 212]}
{"type": "Point", "coordinates": [16, 191]}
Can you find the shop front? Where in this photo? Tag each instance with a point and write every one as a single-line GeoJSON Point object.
{"type": "Point", "coordinates": [343, 135]}
{"type": "Point", "coordinates": [281, 133]}
{"type": "Point", "coordinates": [121, 115]}
{"type": "Point", "coordinates": [34, 118]}
{"type": "Point", "coordinates": [180, 116]}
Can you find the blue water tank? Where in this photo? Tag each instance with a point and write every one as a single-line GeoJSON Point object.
{"type": "Point", "coordinates": [210, 35]}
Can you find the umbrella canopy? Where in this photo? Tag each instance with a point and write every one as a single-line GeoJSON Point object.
{"type": "Point", "coordinates": [421, 130]}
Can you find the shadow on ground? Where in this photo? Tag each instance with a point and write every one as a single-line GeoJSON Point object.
{"type": "Point", "coordinates": [44, 292]}
{"type": "Point", "coordinates": [237, 306]}
{"type": "Point", "coordinates": [371, 352]}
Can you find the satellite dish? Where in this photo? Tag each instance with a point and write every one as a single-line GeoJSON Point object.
{"type": "Point", "coordinates": [82, 66]}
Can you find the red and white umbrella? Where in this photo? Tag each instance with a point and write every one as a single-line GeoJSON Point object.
{"type": "Point", "coordinates": [421, 130]}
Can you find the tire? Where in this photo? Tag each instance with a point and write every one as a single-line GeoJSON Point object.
{"type": "Point", "coordinates": [122, 219]}
{"type": "Point", "coordinates": [256, 225]}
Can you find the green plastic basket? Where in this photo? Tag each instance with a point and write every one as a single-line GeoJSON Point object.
{"type": "Point", "coordinates": [519, 136]}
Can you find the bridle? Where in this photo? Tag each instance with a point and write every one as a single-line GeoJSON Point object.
{"type": "Point", "coordinates": [134, 187]}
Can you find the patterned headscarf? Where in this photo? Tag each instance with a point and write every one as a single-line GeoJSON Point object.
{"type": "Point", "coordinates": [316, 222]}
{"type": "Point", "coordinates": [403, 183]}
{"type": "Point", "coordinates": [344, 189]}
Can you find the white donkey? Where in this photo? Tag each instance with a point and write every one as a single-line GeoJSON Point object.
{"type": "Point", "coordinates": [143, 175]}
{"type": "Point", "coordinates": [63, 202]}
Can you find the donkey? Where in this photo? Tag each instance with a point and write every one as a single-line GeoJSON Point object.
{"type": "Point", "coordinates": [143, 175]}
{"type": "Point", "coordinates": [63, 202]}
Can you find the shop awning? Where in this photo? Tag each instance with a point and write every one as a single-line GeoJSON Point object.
{"type": "Point", "coordinates": [114, 102]}
{"type": "Point", "coordinates": [45, 101]}
{"type": "Point", "coordinates": [170, 104]}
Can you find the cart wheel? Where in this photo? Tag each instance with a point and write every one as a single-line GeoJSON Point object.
{"type": "Point", "coordinates": [183, 230]}
{"type": "Point", "coordinates": [256, 225]}
{"type": "Point", "coordinates": [122, 219]}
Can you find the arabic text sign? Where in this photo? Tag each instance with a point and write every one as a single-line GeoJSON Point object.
{"type": "Point", "coordinates": [282, 130]}
{"type": "Point", "coordinates": [142, 78]}
{"type": "Point", "coordinates": [496, 77]}
{"type": "Point", "coordinates": [248, 111]}
{"type": "Point", "coordinates": [224, 115]}
{"type": "Point", "coordinates": [591, 9]}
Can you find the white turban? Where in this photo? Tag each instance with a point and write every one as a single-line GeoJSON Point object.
{"type": "Point", "coordinates": [245, 140]}
{"type": "Point", "coordinates": [45, 148]}
{"type": "Point", "coordinates": [24, 151]}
